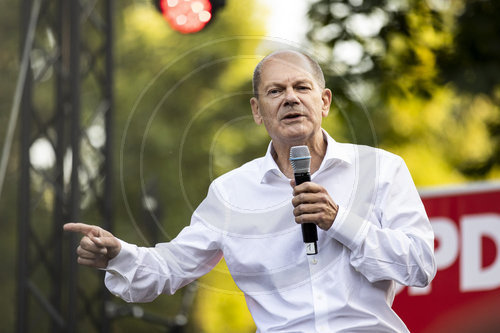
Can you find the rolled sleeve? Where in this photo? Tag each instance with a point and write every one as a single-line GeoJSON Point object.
{"type": "Point", "coordinates": [118, 268]}
{"type": "Point", "coordinates": [125, 261]}
{"type": "Point", "coordinates": [348, 228]}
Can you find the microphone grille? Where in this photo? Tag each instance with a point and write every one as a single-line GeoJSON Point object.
{"type": "Point", "coordinates": [300, 159]}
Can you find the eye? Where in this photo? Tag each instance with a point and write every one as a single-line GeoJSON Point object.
{"type": "Point", "coordinates": [303, 88]}
{"type": "Point", "coordinates": [273, 91]}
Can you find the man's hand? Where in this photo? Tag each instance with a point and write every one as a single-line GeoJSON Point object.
{"type": "Point", "coordinates": [313, 204]}
{"type": "Point", "coordinates": [97, 246]}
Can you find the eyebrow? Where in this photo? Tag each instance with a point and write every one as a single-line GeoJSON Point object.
{"type": "Point", "coordinates": [298, 82]}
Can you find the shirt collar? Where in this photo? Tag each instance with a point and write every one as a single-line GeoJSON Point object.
{"type": "Point", "coordinates": [335, 153]}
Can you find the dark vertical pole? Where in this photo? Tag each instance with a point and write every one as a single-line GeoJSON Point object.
{"type": "Point", "coordinates": [24, 212]}
{"type": "Point", "coordinates": [56, 296]}
{"type": "Point", "coordinates": [74, 75]}
{"type": "Point", "coordinates": [59, 195]}
{"type": "Point", "coordinates": [108, 153]}
{"type": "Point", "coordinates": [108, 96]}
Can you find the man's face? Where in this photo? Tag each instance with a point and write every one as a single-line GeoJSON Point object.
{"type": "Point", "coordinates": [291, 103]}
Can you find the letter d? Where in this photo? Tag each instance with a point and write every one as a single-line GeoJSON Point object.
{"type": "Point", "coordinates": [473, 277]}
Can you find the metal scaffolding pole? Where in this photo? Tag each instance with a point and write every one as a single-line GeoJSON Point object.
{"type": "Point", "coordinates": [65, 156]}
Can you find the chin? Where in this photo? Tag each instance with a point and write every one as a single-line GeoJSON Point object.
{"type": "Point", "coordinates": [298, 138]}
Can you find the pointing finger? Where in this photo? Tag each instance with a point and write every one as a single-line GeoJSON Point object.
{"type": "Point", "coordinates": [81, 228]}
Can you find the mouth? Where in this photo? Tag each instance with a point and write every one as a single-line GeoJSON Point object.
{"type": "Point", "coordinates": [292, 115]}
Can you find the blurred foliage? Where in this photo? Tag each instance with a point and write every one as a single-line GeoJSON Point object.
{"type": "Point", "coordinates": [419, 80]}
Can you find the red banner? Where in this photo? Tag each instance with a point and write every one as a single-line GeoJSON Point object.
{"type": "Point", "coordinates": [465, 294]}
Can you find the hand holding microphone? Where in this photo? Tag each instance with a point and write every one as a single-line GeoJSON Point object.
{"type": "Point", "coordinates": [312, 203]}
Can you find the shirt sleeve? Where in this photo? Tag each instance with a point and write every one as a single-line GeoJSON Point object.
{"type": "Point", "coordinates": [390, 236]}
{"type": "Point", "coordinates": [140, 274]}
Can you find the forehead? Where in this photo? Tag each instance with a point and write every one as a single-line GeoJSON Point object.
{"type": "Point", "coordinates": [288, 66]}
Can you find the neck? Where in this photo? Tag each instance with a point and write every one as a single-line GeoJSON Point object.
{"type": "Point", "coordinates": [281, 154]}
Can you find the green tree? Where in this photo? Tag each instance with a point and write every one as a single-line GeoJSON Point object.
{"type": "Point", "coordinates": [472, 66]}
{"type": "Point", "coordinates": [397, 89]}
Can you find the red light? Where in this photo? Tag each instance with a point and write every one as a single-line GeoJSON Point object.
{"type": "Point", "coordinates": [187, 16]}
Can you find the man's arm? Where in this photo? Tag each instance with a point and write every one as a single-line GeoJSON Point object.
{"type": "Point", "coordinates": [399, 246]}
{"type": "Point", "coordinates": [140, 274]}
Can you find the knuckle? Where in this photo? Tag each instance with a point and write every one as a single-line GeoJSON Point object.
{"type": "Point", "coordinates": [85, 246]}
{"type": "Point", "coordinates": [85, 242]}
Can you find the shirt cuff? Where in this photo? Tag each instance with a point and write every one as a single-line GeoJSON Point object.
{"type": "Point", "coordinates": [349, 228]}
{"type": "Point", "coordinates": [124, 261]}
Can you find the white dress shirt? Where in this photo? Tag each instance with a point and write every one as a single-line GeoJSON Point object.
{"type": "Point", "coordinates": [380, 236]}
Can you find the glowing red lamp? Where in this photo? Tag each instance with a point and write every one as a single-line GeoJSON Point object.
{"type": "Point", "coordinates": [186, 16]}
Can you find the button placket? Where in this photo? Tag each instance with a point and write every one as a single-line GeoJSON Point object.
{"type": "Point", "coordinates": [320, 301]}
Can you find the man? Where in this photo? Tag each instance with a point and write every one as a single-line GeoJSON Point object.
{"type": "Point", "coordinates": [373, 230]}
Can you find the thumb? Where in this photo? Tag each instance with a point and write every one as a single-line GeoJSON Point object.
{"type": "Point", "coordinates": [292, 183]}
{"type": "Point", "coordinates": [111, 243]}
{"type": "Point", "coordinates": [103, 241]}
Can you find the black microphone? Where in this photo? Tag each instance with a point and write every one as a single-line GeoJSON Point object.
{"type": "Point", "coordinates": [301, 163]}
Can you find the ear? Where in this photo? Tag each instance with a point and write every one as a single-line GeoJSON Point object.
{"type": "Point", "coordinates": [326, 97]}
{"type": "Point", "coordinates": [257, 117]}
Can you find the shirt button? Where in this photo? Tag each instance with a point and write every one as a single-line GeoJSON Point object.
{"type": "Point", "coordinates": [314, 261]}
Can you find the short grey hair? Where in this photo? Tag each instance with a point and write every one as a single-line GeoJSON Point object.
{"type": "Point", "coordinates": [317, 72]}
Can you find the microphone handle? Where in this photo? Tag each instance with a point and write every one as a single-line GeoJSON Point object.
{"type": "Point", "coordinates": [302, 177]}
{"type": "Point", "coordinates": [309, 230]}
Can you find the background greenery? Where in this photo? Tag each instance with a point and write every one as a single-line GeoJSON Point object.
{"type": "Point", "coordinates": [425, 87]}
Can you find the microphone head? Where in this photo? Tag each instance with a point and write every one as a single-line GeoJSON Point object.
{"type": "Point", "coordinates": [300, 159]}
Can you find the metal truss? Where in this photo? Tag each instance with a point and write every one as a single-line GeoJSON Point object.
{"type": "Point", "coordinates": [65, 163]}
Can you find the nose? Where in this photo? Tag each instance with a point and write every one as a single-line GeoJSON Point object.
{"type": "Point", "coordinates": [291, 98]}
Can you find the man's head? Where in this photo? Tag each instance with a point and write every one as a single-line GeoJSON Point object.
{"type": "Point", "coordinates": [315, 70]}
{"type": "Point", "coordinates": [290, 98]}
